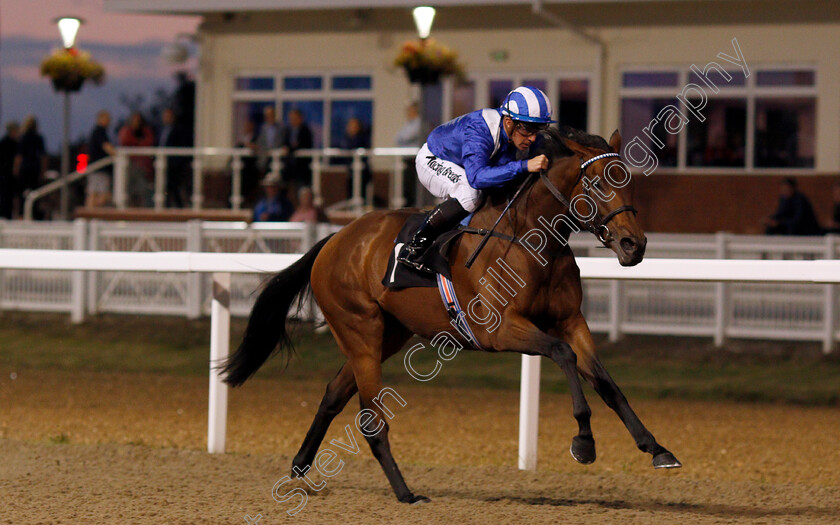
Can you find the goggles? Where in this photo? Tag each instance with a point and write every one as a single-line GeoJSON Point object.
{"type": "Point", "coordinates": [530, 128]}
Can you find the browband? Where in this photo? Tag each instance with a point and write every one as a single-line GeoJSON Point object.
{"type": "Point", "coordinates": [598, 157]}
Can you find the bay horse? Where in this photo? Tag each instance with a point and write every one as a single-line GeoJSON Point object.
{"type": "Point", "coordinates": [372, 323]}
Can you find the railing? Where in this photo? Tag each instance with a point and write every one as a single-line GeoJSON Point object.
{"type": "Point", "coordinates": [131, 292]}
{"type": "Point", "coordinates": [222, 265]}
{"type": "Point", "coordinates": [800, 312]}
{"type": "Point", "coordinates": [46, 189]}
{"type": "Point", "coordinates": [319, 166]}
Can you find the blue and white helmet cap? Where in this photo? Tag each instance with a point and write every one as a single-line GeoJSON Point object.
{"type": "Point", "coordinates": [527, 104]}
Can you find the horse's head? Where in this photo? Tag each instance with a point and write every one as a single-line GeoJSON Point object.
{"type": "Point", "coordinates": [595, 184]}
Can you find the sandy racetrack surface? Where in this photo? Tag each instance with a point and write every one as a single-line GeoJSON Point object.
{"type": "Point", "coordinates": [128, 448]}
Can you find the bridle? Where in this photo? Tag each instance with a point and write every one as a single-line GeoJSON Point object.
{"type": "Point", "coordinates": [596, 225]}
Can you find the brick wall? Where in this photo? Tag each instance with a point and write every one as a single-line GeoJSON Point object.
{"type": "Point", "coordinates": [711, 203]}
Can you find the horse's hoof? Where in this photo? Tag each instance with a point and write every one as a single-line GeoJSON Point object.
{"type": "Point", "coordinates": [583, 450]}
{"type": "Point", "coordinates": [666, 460]}
{"type": "Point", "coordinates": [414, 500]}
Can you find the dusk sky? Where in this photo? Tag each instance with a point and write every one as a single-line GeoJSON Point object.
{"type": "Point", "coordinates": [128, 46]}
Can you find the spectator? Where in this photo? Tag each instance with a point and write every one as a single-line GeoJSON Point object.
{"type": "Point", "coordinates": [835, 211]}
{"type": "Point", "coordinates": [8, 150]}
{"type": "Point", "coordinates": [99, 147]}
{"type": "Point", "coordinates": [356, 136]}
{"type": "Point", "coordinates": [140, 168]}
{"type": "Point", "coordinates": [271, 136]}
{"type": "Point", "coordinates": [31, 159]}
{"type": "Point", "coordinates": [275, 206]}
{"type": "Point", "coordinates": [794, 215]}
{"type": "Point", "coordinates": [410, 136]}
{"type": "Point", "coordinates": [298, 136]}
{"type": "Point", "coordinates": [306, 210]}
{"type": "Point", "coordinates": [173, 135]}
{"type": "Point", "coordinates": [250, 173]}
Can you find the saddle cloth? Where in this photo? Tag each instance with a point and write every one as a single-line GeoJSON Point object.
{"type": "Point", "coordinates": [436, 257]}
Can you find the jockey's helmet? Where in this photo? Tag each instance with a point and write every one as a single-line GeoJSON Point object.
{"type": "Point", "coordinates": [527, 104]}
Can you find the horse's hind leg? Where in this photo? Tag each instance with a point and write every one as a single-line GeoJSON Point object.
{"type": "Point", "coordinates": [339, 391]}
{"type": "Point", "coordinates": [368, 376]}
{"type": "Point", "coordinates": [578, 335]}
{"type": "Point", "coordinates": [366, 336]}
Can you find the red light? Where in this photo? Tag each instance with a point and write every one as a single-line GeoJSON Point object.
{"type": "Point", "coordinates": [81, 162]}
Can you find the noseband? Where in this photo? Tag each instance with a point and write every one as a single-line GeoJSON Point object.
{"type": "Point", "coordinates": [598, 226]}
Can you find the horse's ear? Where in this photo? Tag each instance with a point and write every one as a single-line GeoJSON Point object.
{"type": "Point", "coordinates": [615, 141]}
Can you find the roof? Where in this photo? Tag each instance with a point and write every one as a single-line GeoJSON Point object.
{"type": "Point", "coordinates": [211, 6]}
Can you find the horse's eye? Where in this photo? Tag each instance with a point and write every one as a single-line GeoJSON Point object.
{"type": "Point", "coordinates": [598, 185]}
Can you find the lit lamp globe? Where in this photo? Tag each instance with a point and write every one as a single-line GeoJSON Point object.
{"type": "Point", "coordinates": [423, 18]}
{"type": "Point", "coordinates": [68, 26]}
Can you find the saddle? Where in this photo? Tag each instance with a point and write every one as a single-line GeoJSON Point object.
{"type": "Point", "coordinates": [436, 257]}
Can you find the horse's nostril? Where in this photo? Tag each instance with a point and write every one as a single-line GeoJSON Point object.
{"type": "Point", "coordinates": [628, 244]}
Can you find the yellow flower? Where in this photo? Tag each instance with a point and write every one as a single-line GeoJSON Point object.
{"type": "Point", "coordinates": [70, 67]}
{"type": "Point", "coordinates": [428, 59]}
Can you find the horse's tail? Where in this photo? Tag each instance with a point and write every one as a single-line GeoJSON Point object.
{"type": "Point", "coordinates": [266, 330]}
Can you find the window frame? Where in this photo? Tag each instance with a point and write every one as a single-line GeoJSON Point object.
{"type": "Point", "coordinates": [749, 91]}
{"type": "Point", "coordinates": [482, 80]}
{"type": "Point", "coordinates": [326, 94]}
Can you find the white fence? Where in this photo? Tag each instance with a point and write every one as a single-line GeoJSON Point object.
{"type": "Point", "coordinates": [801, 312]}
{"type": "Point", "coordinates": [223, 264]}
{"type": "Point", "coordinates": [394, 158]}
{"type": "Point", "coordinates": [81, 293]}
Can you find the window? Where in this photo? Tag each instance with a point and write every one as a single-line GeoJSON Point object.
{"type": "Point", "coordinates": [327, 101]}
{"type": "Point", "coordinates": [764, 121]}
{"type": "Point", "coordinates": [569, 96]}
{"type": "Point", "coordinates": [637, 114]}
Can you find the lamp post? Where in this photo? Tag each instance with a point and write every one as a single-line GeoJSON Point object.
{"type": "Point", "coordinates": [423, 16]}
{"type": "Point", "coordinates": [68, 26]}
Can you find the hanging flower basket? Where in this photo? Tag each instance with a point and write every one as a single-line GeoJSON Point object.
{"type": "Point", "coordinates": [426, 61]}
{"type": "Point", "coordinates": [69, 68]}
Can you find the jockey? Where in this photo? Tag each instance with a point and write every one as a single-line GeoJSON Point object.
{"type": "Point", "coordinates": [483, 149]}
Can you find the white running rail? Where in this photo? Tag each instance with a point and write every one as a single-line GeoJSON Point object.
{"type": "Point", "coordinates": [221, 265]}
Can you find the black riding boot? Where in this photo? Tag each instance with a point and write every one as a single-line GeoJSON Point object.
{"type": "Point", "coordinates": [445, 215]}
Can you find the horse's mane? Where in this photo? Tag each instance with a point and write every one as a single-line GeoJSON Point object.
{"type": "Point", "coordinates": [553, 148]}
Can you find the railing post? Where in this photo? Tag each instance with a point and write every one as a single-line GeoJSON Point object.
{"type": "Point", "coordinates": [160, 180]}
{"type": "Point", "coordinates": [830, 305]}
{"type": "Point", "coordinates": [219, 349]}
{"type": "Point", "coordinates": [120, 180]}
{"type": "Point", "coordinates": [317, 173]}
{"type": "Point", "coordinates": [276, 164]}
{"type": "Point", "coordinates": [616, 310]}
{"type": "Point", "coordinates": [93, 277]}
{"type": "Point", "coordinates": [236, 182]}
{"type": "Point", "coordinates": [77, 279]}
{"type": "Point", "coordinates": [194, 295]}
{"type": "Point", "coordinates": [198, 182]}
{"type": "Point", "coordinates": [529, 412]}
{"type": "Point", "coordinates": [356, 167]}
{"type": "Point", "coordinates": [397, 189]}
{"type": "Point", "coordinates": [721, 293]}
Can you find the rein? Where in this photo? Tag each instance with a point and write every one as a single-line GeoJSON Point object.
{"type": "Point", "coordinates": [596, 225]}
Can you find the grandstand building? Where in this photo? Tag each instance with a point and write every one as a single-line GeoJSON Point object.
{"type": "Point", "coordinates": [727, 95]}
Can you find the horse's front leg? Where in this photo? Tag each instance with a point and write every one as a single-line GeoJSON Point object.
{"type": "Point", "coordinates": [520, 335]}
{"type": "Point", "coordinates": [576, 332]}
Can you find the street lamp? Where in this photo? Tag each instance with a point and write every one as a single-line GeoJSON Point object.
{"type": "Point", "coordinates": [68, 26]}
{"type": "Point", "coordinates": [423, 18]}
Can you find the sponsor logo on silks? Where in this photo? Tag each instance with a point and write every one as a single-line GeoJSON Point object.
{"type": "Point", "coordinates": [442, 170]}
